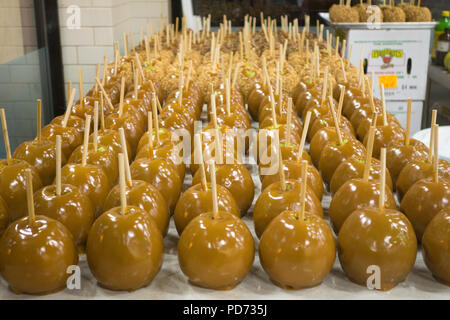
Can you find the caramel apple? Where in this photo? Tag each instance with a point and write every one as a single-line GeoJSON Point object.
{"type": "Point", "coordinates": [197, 200]}
{"type": "Point", "coordinates": [336, 153]}
{"type": "Point", "coordinates": [71, 137]}
{"type": "Point", "coordinates": [115, 263]}
{"type": "Point", "coordinates": [66, 204]}
{"type": "Point", "coordinates": [91, 179]}
{"type": "Point", "coordinates": [374, 237]}
{"type": "Point", "coordinates": [72, 122]}
{"type": "Point", "coordinates": [358, 193]}
{"type": "Point", "coordinates": [160, 174]}
{"type": "Point", "coordinates": [216, 249]}
{"type": "Point", "coordinates": [4, 217]}
{"type": "Point", "coordinates": [39, 153]}
{"type": "Point", "coordinates": [254, 100]}
{"type": "Point", "coordinates": [297, 248]}
{"type": "Point", "coordinates": [143, 195]}
{"type": "Point", "coordinates": [427, 196]}
{"type": "Point", "coordinates": [377, 236]}
{"type": "Point", "coordinates": [237, 179]}
{"type": "Point", "coordinates": [436, 244]}
{"type": "Point", "coordinates": [321, 139]}
{"type": "Point", "coordinates": [279, 197]}
{"type": "Point", "coordinates": [22, 262]}
{"type": "Point", "coordinates": [399, 153]}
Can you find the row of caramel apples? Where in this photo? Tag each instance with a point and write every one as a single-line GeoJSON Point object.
{"type": "Point", "coordinates": [128, 97]}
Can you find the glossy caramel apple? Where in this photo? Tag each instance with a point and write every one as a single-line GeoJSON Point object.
{"type": "Point", "coordinates": [160, 174]}
{"type": "Point", "coordinates": [23, 263]}
{"type": "Point", "coordinates": [145, 196]}
{"type": "Point", "coordinates": [71, 137]}
{"type": "Point", "coordinates": [335, 153]}
{"type": "Point", "coordinates": [353, 195]}
{"type": "Point", "coordinates": [216, 251]}
{"type": "Point", "coordinates": [72, 208]}
{"type": "Point", "coordinates": [353, 168]}
{"type": "Point", "coordinates": [91, 180]}
{"type": "Point", "coordinates": [4, 216]}
{"type": "Point", "coordinates": [321, 139]}
{"type": "Point", "coordinates": [418, 170]}
{"type": "Point", "coordinates": [297, 253]}
{"type": "Point", "coordinates": [273, 200]}
{"type": "Point", "coordinates": [326, 121]}
{"type": "Point", "coordinates": [292, 171]}
{"type": "Point", "coordinates": [237, 179]}
{"type": "Point", "coordinates": [132, 128]}
{"type": "Point", "coordinates": [398, 155]}
{"type": "Point", "coordinates": [103, 157]}
{"type": "Point", "coordinates": [124, 251]}
{"type": "Point", "coordinates": [41, 156]}
{"type": "Point", "coordinates": [383, 136]}
{"type": "Point", "coordinates": [423, 201]}
{"type": "Point", "coordinates": [195, 201]}
{"type": "Point", "coordinates": [165, 138]}
{"type": "Point", "coordinates": [111, 139]}
{"type": "Point", "coordinates": [13, 186]}
{"type": "Point", "coordinates": [436, 246]}
{"type": "Point", "coordinates": [72, 122]}
{"type": "Point", "coordinates": [254, 100]}
{"type": "Point", "coordinates": [381, 238]}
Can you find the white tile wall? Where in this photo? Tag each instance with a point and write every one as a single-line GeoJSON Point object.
{"type": "Point", "coordinates": [102, 22]}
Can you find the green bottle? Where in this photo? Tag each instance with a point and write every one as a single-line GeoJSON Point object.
{"type": "Point", "coordinates": [444, 23]}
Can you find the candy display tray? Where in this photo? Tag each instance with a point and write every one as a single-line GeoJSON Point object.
{"type": "Point", "coordinates": [170, 283]}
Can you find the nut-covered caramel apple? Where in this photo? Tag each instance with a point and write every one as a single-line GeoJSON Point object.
{"type": "Point", "coordinates": [115, 263]}
{"type": "Point", "coordinates": [377, 239]}
{"type": "Point", "coordinates": [297, 248]}
{"type": "Point", "coordinates": [427, 196]}
{"type": "Point", "coordinates": [436, 246]}
{"type": "Point", "coordinates": [36, 251]}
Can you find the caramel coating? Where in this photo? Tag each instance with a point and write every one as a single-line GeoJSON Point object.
{"type": "Point", "coordinates": [353, 195]}
{"type": "Point", "coordinates": [321, 139]}
{"type": "Point", "coordinates": [383, 136]}
{"type": "Point", "coordinates": [145, 196]}
{"type": "Point", "coordinates": [13, 186]}
{"type": "Point", "coordinates": [124, 251]}
{"type": "Point", "coordinates": [297, 253]}
{"type": "Point", "coordinates": [91, 180]}
{"type": "Point", "coordinates": [72, 208]}
{"type": "Point", "coordinates": [423, 201]}
{"type": "Point", "coordinates": [41, 156]}
{"type": "Point", "coordinates": [353, 168]}
{"type": "Point", "coordinates": [160, 174]}
{"type": "Point", "coordinates": [4, 217]}
{"type": "Point", "coordinates": [70, 137]}
{"type": "Point", "coordinates": [293, 171]}
{"type": "Point", "coordinates": [111, 139]}
{"type": "Point", "coordinates": [334, 154]}
{"type": "Point", "coordinates": [22, 262]}
{"type": "Point", "coordinates": [418, 170]}
{"type": "Point", "coordinates": [216, 252]}
{"type": "Point", "coordinates": [273, 200]}
{"type": "Point", "coordinates": [398, 155]}
{"type": "Point", "coordinates": [103, 157]}
{"type": "Point", "coordinates": [436, 246]}
{"type": "Point", "coordinates": [371, 237]}
{"type": "Point", "coordinates": [195, 201]}
{"type": "Point", "coordinates": [237, 179]}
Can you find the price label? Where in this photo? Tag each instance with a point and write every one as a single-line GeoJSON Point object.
{"type": "Point", "coordinates": [389, 81]}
